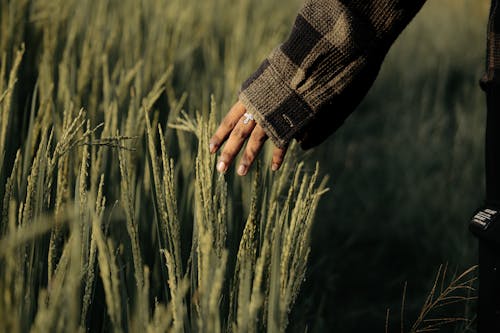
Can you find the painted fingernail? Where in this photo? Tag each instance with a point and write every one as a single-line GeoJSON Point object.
{"type": "Point", "coordinates": [242, 170]}
{"type": "Point", "coordinates": [221, 167]}
{"type": "Point", "coordinates": [275, 166]}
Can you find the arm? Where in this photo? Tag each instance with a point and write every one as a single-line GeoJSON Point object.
{"type": "Point", "coordinates": [308, 85]}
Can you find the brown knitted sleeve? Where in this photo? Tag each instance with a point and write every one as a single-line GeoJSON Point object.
{"type": "Point", "coordinates": [314, 80]}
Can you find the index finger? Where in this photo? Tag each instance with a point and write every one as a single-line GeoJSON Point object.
{"type": "Point", "coordinates": [226, 126]}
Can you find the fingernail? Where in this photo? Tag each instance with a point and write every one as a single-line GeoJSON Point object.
{"type": "Point", "coordinates": [275, 166]}
{"type": "Point", "coordinates": [242, 170]}
{"type": "Point", "coordinates": [221, 167]}
{"type": "Point", "coordinates": [212, 148]}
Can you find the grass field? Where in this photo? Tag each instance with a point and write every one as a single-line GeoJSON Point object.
{"type": "Point", "coordinates": [114, 219]}
{"type": "Point", "coordinates": [406, 174]}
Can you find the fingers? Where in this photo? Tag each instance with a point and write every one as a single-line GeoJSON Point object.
{"type": "Point", "coordinates": [227, 126]}
{"type": "Point", "coordinates": [237, 138]}
{"type": "Point", "coordinates": [236, 131]}
{"type": "Point", "coordinates": [278, 157]}
{"type": "Point", "coordinates": [254, 146]}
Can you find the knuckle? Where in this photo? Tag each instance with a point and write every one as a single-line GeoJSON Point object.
{"type": "Point", "coordinates": [245, 160]}
{"type": "Point", "coordinates": [248, 157]}
{"type": "Point", "coordinates": [238, 133]}
{"type": "Point", "coordinates": [228, 122]}
{"type": "Point", "coordinates": [238, 108]}
{"type": "Point", "coordinates": [252, 150]}
{"type": "Point", "coordinates": [226, 157]}
{"type": "Point", "coordinates": [261, 138]}
{"type": "Point", "coordinates": [260, 135]}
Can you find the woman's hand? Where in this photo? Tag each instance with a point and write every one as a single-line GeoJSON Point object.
{"type": "Point", "coordinates": [236, 128]}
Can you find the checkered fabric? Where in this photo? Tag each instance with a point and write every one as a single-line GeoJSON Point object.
{"type": "Point", "coordinates": [309, 84]}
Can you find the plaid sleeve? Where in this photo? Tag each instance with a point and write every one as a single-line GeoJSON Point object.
{"type": "Point", "coordinates": [308, 85]}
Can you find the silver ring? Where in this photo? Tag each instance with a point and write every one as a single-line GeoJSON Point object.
{"type": "Point", "coordinates": [248, 118]}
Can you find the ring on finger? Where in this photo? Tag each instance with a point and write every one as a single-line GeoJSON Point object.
{"type": "Point", "coordinates": [248, 118]}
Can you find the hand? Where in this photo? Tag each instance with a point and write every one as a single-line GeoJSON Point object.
{"type": "Point", "coordinates": [236, 131]}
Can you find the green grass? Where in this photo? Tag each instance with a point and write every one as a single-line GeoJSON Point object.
{"type": "Point", "coordinates": [113, 218]}
{"type": "Point", "coordinates": [406, 175]}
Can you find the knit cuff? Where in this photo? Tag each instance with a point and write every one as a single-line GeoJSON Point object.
{"type": "Point", "coordinates": [278, 109]}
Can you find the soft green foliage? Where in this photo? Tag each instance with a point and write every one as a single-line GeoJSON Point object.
{"type": "Point", "coordinates": [113, 217]}
{"type": "Point", "coordinates": [407, 174]}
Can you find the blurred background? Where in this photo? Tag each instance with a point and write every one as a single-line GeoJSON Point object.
{"type": "Point", "coordinates": [405, 171]}
{"type": "Point", "coordinates": [406, 168]}
{"type": "Point", "coordinates": [406, 174]}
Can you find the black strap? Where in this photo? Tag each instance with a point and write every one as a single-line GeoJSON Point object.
{"type": "Point", "coordinates": [491, 85]}
{"type": "Point", "coordinates": [492, 144]}
{"type": "Point", "coordinates": [486, 223]}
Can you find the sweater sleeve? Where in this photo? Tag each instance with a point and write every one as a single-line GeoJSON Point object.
{"type": "Point", "coordinates": [309, 84]}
